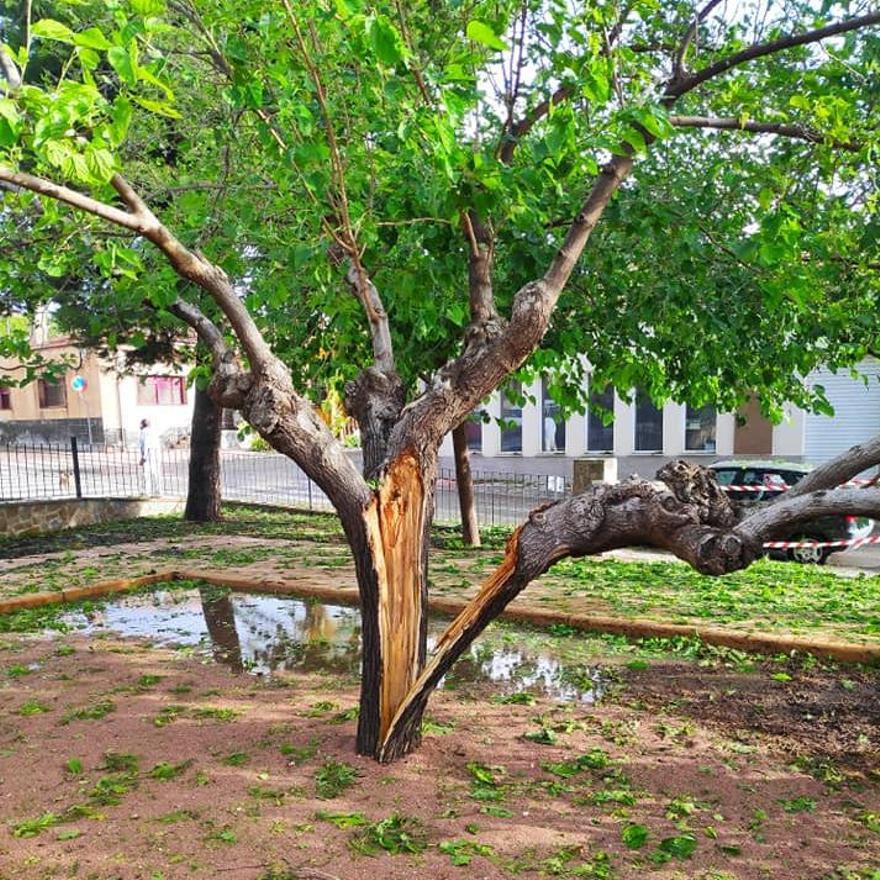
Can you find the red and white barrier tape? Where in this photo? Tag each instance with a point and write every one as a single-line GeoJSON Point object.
{"type": "Point", "coordinates": [781, 487]}
{"type": "Point", "coordinates": [853, 543]}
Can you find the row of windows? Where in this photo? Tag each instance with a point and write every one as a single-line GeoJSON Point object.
{"type": "Point", "coordinates": [699, 435]}
{"type": "Point", "coordinates": [151, 391]}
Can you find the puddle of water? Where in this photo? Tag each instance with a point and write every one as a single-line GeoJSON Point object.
{"type": "Point", "coordinates": [261, 634]}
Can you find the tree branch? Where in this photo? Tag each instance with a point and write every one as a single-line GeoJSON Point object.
{"type": "Point", "coordinates": [686, 513]}
{"type": "Point", "coordinates": [678, 87]}
{"type": "Point", "coordinates": [230, 383]}
{"type": "Point", "coordinates": [75, 199]}
{"type": "Point", "coordinates": [839, 470]}
{"type": "Point", "coordinates": [691, 33]}
{"type": "Point", "coordinates": [799, 132]}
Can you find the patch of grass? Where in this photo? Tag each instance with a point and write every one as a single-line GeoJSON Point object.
{"type": "Point", "coordinates": [299, 754]}
{"type": "Point", "coordinates": [342, 820]}
{"type": "Point", "coordinates": [169, 714]}
{"type": "Point", "coordinates": [32, 707]}
{"type": "Point", "coordinates": [115, 762]}
{"type": "Point", "coordinates": [214, 713]}
{"type": "Point", "coordinates": [395, 835]}
{"type": "Point", "coordinates": [236, 759]}
{"type": "Point", "coordinates": [177, 816]}
{"type": "Point", "coordinates": [17, 671]}
{"type": "Point", "coordinates": [165, 771]}
{"type": "Point", "coordinates": [149, 681]}
{"type": "Point", "coordinates": [266, 793]}
{"type": "Point", "coordinates": [333, 778]}
{"type": "Point", "coordinates": [801, 804]}
{"type": "Point", "coordinates": [461, 852]}
{"type": "Point", "coordinates": [223, 835]}
{"type": "Point", "coordinates": [93, 712]}
{"type": "Point", "coordinates": [34, 620]}
{"type": "Point", "coordinates": [35, 826]}
{"type": "Point", "coordinates": [436, 728]}
{"type": "Point", "coordinates": [110, 790]}
{"type": "Point", "coordinates": [319, 709]}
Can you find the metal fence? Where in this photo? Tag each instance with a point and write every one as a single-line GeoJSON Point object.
{"type": "Point", "coordinates": [76, 470]}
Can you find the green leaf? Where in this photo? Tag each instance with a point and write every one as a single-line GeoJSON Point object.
{"type": "Point", "coordinates": [120, 120]}
{"type": "Point", "coordinates": [159, 107]}
{"type": "Point", "coordinates": [123, 63]}
{"type": "Point", "coordinates": [680, 847]}
{"type": "Point", "coordinates": [9, 123]}
{"type": "Point", "coordinates": [480, 32]}
{"type": "Point", "coordinates": [49, 29]}
{"type": "Point", "coordinates": [92, 38]}
{"type": "Point", "coordinates": [147, 8]}
{"type": "Point", "coordinates": [385, 40]}
{"type": "Point", "coordinates": [100, 164]}
{"type": "Point", "coordinates": [634, 836]}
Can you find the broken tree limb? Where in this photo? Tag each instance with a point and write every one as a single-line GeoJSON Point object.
{"type": "Point", "coordinates": [685, 512]}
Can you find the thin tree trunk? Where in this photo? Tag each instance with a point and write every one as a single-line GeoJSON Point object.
{"type": "Point", "coordinates": [470, 529]}
{"type": "Point", "coordinates": [203, 494]}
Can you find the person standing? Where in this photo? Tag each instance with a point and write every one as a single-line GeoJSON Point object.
{"type": "Point", "coordinates": [148, 444]}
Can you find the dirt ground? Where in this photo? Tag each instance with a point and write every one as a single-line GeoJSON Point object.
{"type": "Point", "coordinates": [122, 760]}
{"type": "Point", "coordinates": [119, 760]}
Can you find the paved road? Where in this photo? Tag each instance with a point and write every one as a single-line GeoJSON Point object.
{"type": "Point", "coordinates": [502, 498]}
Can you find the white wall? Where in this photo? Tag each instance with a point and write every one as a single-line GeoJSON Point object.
{"type": "Point", "coordinates": [164, 420]}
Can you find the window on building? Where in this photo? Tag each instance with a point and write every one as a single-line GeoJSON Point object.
{"type": "Point", "coordinates": [511, 417]}
{"type": "Point", "coordinates": [649, 425]}
{"type": "Point", "coordinates": [51, 393]}
{"type": "Point", "coordinates": [699, 429]}
{"type": "Point", "coordinates": [162, 391]}
{"type": "Point", "coordinates": [552, 423]}
{"type": "Point", "coordinates": [5, 398]}
{"type": "Point", "coordinates": [600, 437]}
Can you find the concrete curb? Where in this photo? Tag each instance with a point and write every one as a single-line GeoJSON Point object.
{"type": "Point", "coordinates": [629, 627]}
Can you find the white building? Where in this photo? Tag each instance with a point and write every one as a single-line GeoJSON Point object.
{"type": "Point", "coordinates": [642, 437]}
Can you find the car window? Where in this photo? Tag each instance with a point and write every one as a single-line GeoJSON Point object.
{"type": "Point", "coordinates": [726, 476]}
{"type": "Point", "coordinates": [750, 477]}
{"type": "Point", "coordinates": [792, 477]}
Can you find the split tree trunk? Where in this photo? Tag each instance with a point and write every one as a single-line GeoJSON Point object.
{"type": "Point", "coordinates": [390, 549]}
{"type": "Point", "coordinates": [203, 495]}
{"type": "Point", "coordinates": [470, 528]}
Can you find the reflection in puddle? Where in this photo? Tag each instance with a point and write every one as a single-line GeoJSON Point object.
{"type": "Point", "coordinates": [261, 634]}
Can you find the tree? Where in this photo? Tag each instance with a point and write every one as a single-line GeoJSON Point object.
{"type": "Point", "coordinates": [392, 177]}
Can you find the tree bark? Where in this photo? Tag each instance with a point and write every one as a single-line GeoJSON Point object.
{"type": "Point", "coordinates": [687, 513]}
{"type": "Point", "coordinates": [390, 549]}
{"type": "Point", "coordinates": [470, 528]}
{"type": "Point", "coordinates": [203, 495]}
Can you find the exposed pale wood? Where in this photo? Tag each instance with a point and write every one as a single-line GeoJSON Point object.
{"type": "Point", "coordinates": [400, 517]}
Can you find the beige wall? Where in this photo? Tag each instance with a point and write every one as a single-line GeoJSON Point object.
{"type": "Point", "coordinates": [108, 396]}
{"type": "Point", "coordinates": [80, 405]}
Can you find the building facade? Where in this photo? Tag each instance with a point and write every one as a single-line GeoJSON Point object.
{"type": "Point", "coordinates": [522, 430]}
{"type": "Point", "coordinates": [92, 401]}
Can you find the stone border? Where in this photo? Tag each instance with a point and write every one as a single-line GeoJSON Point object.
{"type": "Point", "coordinates": [630, 627]}
{"type": "Point", "coordinates": [32, 517]}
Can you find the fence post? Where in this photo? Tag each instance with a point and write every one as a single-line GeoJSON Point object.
{"type": "Point", "coordinates": [77, 478]}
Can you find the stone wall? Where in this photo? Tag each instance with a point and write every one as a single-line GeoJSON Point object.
{"type": "Point", "coordinates": [34, 517]}
{"type": "Point", "coordinates": [32, 432]}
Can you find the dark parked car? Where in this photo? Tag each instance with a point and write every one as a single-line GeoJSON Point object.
{"type": "Point", "coordinates": [768, 479]}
